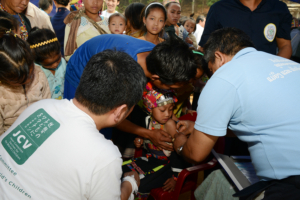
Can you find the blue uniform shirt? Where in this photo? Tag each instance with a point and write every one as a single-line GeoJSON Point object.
{"type": "Point", "coordinates": [257, 96]}
{"type": "Point", "coordinates": [269, 20]}
{"type": "Point", "coordinates": [83, 54]}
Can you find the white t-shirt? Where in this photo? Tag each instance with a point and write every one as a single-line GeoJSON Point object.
{"type": "Point", "coordinates": [107, 14]}
{"type": "Point", "coordinates": [54, 151]}
{"type": "Point", "coordinates": [198, 33]}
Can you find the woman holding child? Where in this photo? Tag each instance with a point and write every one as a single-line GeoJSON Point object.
{"type": "Point", "coordinates": [83, 25]}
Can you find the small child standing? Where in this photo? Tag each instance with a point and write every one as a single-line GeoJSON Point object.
{"type": "Point", "coordinates": [190, 27]}
{"type": "Point", "coordinates": [117, 23]}
{"type": "Point", "coordinates": [159, 168]}
{"type": "Point", "coordinates": [45, 49]}
{"type": "Point", "coordinates": [154, 17]}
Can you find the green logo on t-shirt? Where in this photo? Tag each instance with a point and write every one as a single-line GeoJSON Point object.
{"type": "Point", "coordinates": [24, 140]}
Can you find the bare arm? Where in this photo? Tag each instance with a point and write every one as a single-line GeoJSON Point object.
{"type": "Point", "coordinates": [125, 190]}
{"type": "Point", "coordinates": [284, 48]}
{"type": "Point", "coordinates": [170, 127]}
{"type": "Point", "coordinates": [158, 137]}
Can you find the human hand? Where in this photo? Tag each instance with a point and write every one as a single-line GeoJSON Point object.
{"type": "Point", "coordinates": [188, 40]}
{"type": "Point", "coordinates": [136, 176]}
{"type": "Point", "coordinates": [185, 126]}
{"type": "Point", "coordinates": [180, 140]}
{"type": "Point", "coordinates": [169, 185]}
{"type": "Point", "coordinates": [159, 138]}
{"type": "Point", "coordinates": [138, 142]}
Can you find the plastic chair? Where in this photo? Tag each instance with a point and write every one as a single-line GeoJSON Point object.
{"type": "Point", "coordinates": [187, 180]}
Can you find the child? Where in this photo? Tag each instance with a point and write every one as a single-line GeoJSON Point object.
{"type": "Point", "coordinates": [111, 8]}
{"type": "Point", "coordinates": [159, 168]}
{"type": "Point", "coordinates": [117, 23]}
{"type": "Point", "coordinates": [154, 17]}
{"type": "Point", "coordinates": [190, 27]}
{"type": "Point", "coordinates": [46, 52]}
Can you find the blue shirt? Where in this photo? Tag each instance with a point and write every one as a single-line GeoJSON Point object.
{"type": "Point", "coordinates": [257, 96]}
{"type": "Point", "coordinates": [56, 81]}
{"type": "Point", "coordinates": [58, 24]}
{"type": "Point", "coordinates": [269, 20]}
{"type": "Point", "coordinates": [83, 54]}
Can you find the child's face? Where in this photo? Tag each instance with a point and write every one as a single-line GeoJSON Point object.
{"type": "Point", "coordinates": [117, 25]}
{"type": "Point", "coordinates": [163, 113]}
{"type": "Point", "coordinates": [111, 5]}
{"type": "Point", "coordinates": [93, 6]}
{"type": "Point", "coordinates": [189, 26]}
{"type": "Point", "coordinates": [155, 21]}
{"type": "Point", "coordinates": [52, 62]}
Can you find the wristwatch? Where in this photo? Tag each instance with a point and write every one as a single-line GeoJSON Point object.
{"type": "Point", "coordinates": [179, 150]}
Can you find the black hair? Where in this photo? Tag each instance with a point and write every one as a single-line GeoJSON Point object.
{"type": "Point", "coordinates": [228, 41]}
{"type": "Point", "coordinates": [45, 51]}
{"type": "Point", "coordinates": [44, 4]}
{"type": "Point", "coordinates": [17, 65]}
{"type": "Point", "coordinates": [117, 15]}
{"type": "Point", "coordinates": [8, 21]}
{"type": "Point", "coordinates": [200, 18]}
{"type": "Point", "coordinates": [63, 2]}
{"type": "Point", "coordinates": [133, 13]}
{"type": "Point", "coordinates": [149, 7]}
{"type": "Point", "coordinates": [168, 4]}
{"type": "Point", "coordinates": [172, 61]}
{"type": "Point", "coordinates": [111, 78]}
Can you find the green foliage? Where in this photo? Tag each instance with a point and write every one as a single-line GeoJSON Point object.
{"type": "Point", "coordinates": [211, 2]}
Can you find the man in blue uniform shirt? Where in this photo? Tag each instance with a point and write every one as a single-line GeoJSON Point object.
{"type": "Point", "coordinates": [266, 22]}
{"type": "Point", "coordinates": [256, 95]}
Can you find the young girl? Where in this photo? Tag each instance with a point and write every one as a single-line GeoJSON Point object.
{"type": "Point", "coordinates": [46, 52]}
{"type": "Point", "coordinates": [117, 23]}
{"type": "Point", "coordinates": [154, 17]}
{"type": "Point", "coordinates": [159, 168]}
{"type": "Point", "coordinates": [190, 27]}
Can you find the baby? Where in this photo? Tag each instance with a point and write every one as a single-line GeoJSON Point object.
{"type": "Point", "coordinates": [117, 23]}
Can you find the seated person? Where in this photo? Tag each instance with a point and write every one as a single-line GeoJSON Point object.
{"type": "Point", "coordinates": [46, 51]}
{"type": "Point", "coordinates": [158, 168]}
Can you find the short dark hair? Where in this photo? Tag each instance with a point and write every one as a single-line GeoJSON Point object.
{"type": "Point", "coordinates": [36, 36]}
{"type": "Point", "coordinates": [172, 61]}
{"type": "Point", "coordinates": [8, 21]}
{"type": "Point", "coordinates": [17, 65]}
{"type": "Point", "coordinates": [44, 4]}
{"type": "Point", "coordinates": [228, 41]}
{"type": "Point", "coordinates": [63, 2]}
{"type": "Point", "coordinates": [132, 13]}
{"type": "Point", "coordinates": [111, 78]}
{"type": "Point", "coordinates": [200, 18]}
{"type": "Point", "coordinates": [168, 4]}
{"type": "Point", "coordinates": [117, 15]}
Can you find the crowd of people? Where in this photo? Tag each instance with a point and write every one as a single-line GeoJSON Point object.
{"type": "Point", "coordinates": [83, 90]}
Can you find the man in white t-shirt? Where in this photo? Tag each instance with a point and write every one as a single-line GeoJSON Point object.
{"type": "Point", "coordinates": [111, 8]}
{"type": "Point", "coordinates": [54, 149]}
{"type": "Point", "coordinates": [200, 23]}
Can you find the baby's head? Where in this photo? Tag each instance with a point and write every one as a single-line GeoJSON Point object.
{"type": "Point", "coordinates": [159, 103]}
{"type": "Point", "coordinates": [190, 25]}
{"type": "Point", "coordinates": [45, 48]}
{"type": "Point", "coordinates": [117, 23]}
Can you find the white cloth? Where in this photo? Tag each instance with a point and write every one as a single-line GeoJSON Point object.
{"type": "Point", "coordinates": [107, 14]}
{"type": "Point", "coordinates": [38, 17]}
{"type": "Point", "coordinates": [73, 162]}
{"type": "Point", "coordinates": [198, 33]}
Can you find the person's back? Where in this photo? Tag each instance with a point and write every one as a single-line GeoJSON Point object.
{"type": "Point", "coordinates": [57, 132]}
{"type": "Point", "coordinates": [264, 92]}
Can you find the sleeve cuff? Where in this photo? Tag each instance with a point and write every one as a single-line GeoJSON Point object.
{"type": "Point", "coordinates": [208, 131]}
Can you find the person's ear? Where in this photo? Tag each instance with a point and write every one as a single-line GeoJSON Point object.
{"type": "Point", "coordinates": [144, 21]}
{"type": "Point", "coordinates": [119, 113]}
{"type": "Point", "coordinates": [154, 77]}
{"type": "Point", "coordinates": [221, 58]}
{"type": "Point", "coordinates": [118, 2]}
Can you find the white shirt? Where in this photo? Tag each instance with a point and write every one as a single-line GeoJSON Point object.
{"type": "Point", "coordinates": [198, 33]}
{"type": "Point", "coordinates": [38, 17]}
{"type": "Point", "coordinates": [107, 14]}
{"type": "Point", "coordinates": [69, 160]}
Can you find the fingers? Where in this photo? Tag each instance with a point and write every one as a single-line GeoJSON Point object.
{"type": "Point", "coordinates": [163, 145]}
{"type": "Point", "coordinates": [165, 135]}
{"type": "Point", "coordinates": [180, 124]}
